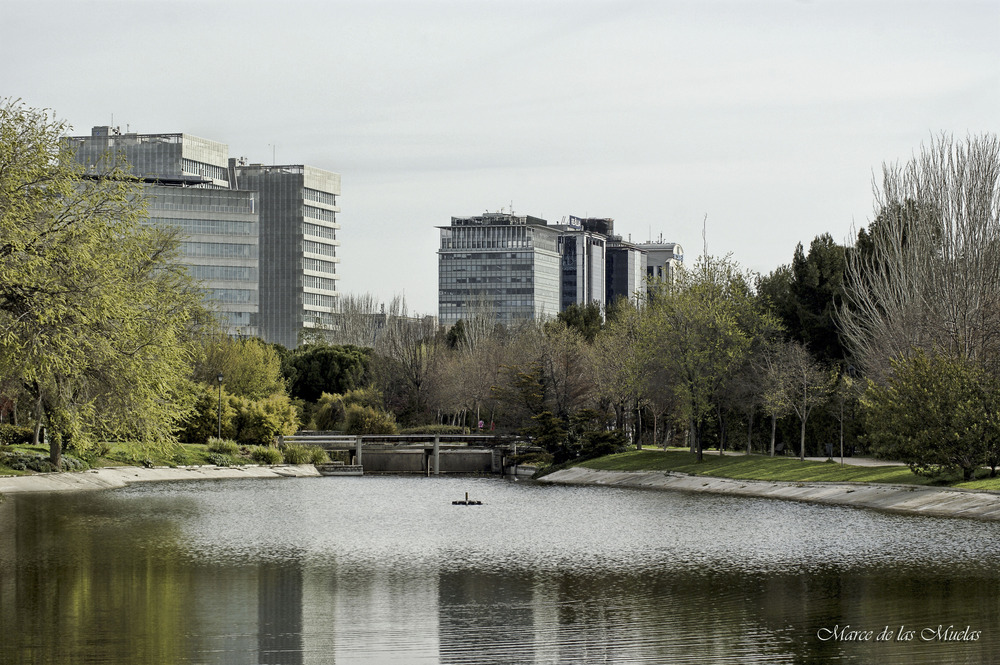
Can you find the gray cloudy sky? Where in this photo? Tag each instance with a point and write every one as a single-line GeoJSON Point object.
{"type": "Point", "coordinates": [769, 117]}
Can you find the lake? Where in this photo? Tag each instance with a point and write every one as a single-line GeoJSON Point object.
{"type": "Point", "coordinates": [382, 569]}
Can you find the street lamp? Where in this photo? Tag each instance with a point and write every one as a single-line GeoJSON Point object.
{"type": "Point", "coordinates": [219, 377]}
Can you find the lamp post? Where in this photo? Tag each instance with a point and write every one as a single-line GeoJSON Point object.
{"type": "Point", "coordinates": [219, 377]}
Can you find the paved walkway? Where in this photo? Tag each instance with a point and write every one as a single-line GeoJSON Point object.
{"type": "Point", "coordinates": [910, 499]}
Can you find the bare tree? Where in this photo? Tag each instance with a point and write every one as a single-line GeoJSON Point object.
{"type": "Point", "coordinates": [928, 273]}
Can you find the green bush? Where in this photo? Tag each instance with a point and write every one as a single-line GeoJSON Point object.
{"type": "Point", "coordinates": [40, 463]}
{"type": "Point", "coordinates": [223, 446]}
{"type": "Point", "coordinates": [329, 413]}
{"type": "Point", "coordinates": [435, 429]}
{"type": "Point", "coordinates": [259, 422]}
{"type": "Point", "coordinates": [318, 456]}
{"type": "Point", "coordinates": [219, 459]}
{"type": "Point", "coordinates": [297, 454]}
{"type": "Point", "coordinates": [13, 435]}
{"type": "Point", "coordinates": [366, 420]}
{"type": "Point", "coordinates": [266, 455]}
{"type": "Point", "coordinates": [369, 397]}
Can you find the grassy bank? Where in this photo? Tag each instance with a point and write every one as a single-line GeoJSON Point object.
{"type": "Point", "coordinates": [114, 455]}
{"type": "Point", "coordinates": [758, 467]}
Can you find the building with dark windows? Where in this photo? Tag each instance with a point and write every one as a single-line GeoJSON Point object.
{"type": "Point", "coordinates": [261, 240]}
{"type": "Point", "coordinates": [498, 262]}
{"type": "Point", "coordinates": [583, 246]}
{"type": "Point", "coordinates": [625, 271]}
{"type": "Point", "coordinates": [298, 247]}
{"type": "Point", "coordinates": [662, 259]}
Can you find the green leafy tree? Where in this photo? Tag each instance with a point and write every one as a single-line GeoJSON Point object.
{"type": "Point", "coordinates": [315, 369]}
{"type": "Point", "coordinates": [249, 367]}
{"type": "Point", "coordinates": [585, 319]}
{"type": "Point", "coordinates": [935, 412]}
{"type": "Point", "coordinates": [95, 313]}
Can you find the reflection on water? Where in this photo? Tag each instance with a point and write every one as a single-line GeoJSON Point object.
{"type": "Point", "coordinates": [385, 569]}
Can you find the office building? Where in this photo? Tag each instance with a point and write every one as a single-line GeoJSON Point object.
{"type": "Point", "coordinates": [501, 262]}
{"type": "Point", "coordinates": [625, 271]}
{"type": "Point", "coordinates": [298, 248]}
{"type": "Point", "coordinates": [261, 240]}
{"type": "Point", "coordinates": [582, 246]}
{"type": "Point", "coordinates": [186, 185]}
{"type": "Point", "coordinates": [662, 259]}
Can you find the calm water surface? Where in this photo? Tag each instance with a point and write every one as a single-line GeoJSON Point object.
{"type": "Point", "coordinates": [387, 570]}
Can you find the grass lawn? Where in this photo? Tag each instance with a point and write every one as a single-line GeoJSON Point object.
{"type": "Point", "coordinates": [759, 467]}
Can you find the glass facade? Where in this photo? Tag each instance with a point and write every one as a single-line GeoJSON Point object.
{"type": "Point", "coordinates": [508, 263]}
{"type": "Point", "coordinates": [298, 247]}
{"type": "Point", "coordinates": [187, 187]}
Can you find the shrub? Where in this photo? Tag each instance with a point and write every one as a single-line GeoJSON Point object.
{"type": "Point", "coordinates": [223, 446]}
{"type": "Point", "coordinates": [266, 455]}
{"type": "Point", "coordinates": [40, 463]}
{"type": "Point", "coordinates": [369, 397]}
{"type": "Point", "coordinates": [296, 454]}
{"type": "Point", "coordinates": [12, 435]}
{"type": "Point", "coordinates": [219, 459]}
{"type": "Point", "coordinates": [435, 429]}
{"type": "Point", "coordinates": [318, 456]}
{"type": "Point", "coordinates": [329, 413]}
{"type": "Point", "coordinates": [366, 420]}
{"type": "Point", "coordinates": [259, 422]}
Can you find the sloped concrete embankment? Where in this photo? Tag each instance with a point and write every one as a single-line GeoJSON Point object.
{"type": "Point", "coordinates": [895, 498]}
{"type": "Point", "coordinates": [111, 477]}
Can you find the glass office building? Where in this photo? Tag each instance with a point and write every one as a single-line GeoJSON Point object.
{"type": "Point", "coordinates": [299, 249]}
{"type": "Point", "coordinates": [507, 263]}
{"type": "Point", "coordinates": [187, 186]}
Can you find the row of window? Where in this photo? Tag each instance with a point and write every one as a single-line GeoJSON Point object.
{"type": "Point", "coordinates": [203, 169]}
{"type": "Point", "coordinates": [484, 267]}
{"type": "Point", "coordinates": [319, 197]}
{"type": "Point", "coordinates": [319, 231]}
{"type": "Point", "coordinates": [323, 249]}
{"type": "Point", "coordinates": [212, 226]}
{"type": "Point", "coordinates": [319, 266]}
{"type": "Point", "coordinates": [319, 213]}
{"type": "Point", "coordinates": [223, 273]}
{"type": "Point", "coordinates": [485, 256]}
{"type": "Point", "coordinates": [231, 296]}
{"type": "Point", "coordinates": [219, 250]}
{"type": "Point", "coordinates": [317, 300]}
{"type": "Point", "coordinates": [325, 283]}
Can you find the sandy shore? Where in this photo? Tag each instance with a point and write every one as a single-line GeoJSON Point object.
{"type": "Point", "coordinates": [120, 476]}
{"type": "Point", "coordinates": [908, 499]}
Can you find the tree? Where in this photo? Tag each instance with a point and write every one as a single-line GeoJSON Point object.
{"type": "Point", "coordinates": [809, 387]}
{"type": "Point", "coordinates": [95, 312]}
{"type": "Point", "coordinates": [314, 369]}
{"type": "Point", "coordinates": [702, 327]}
{"type": "Point", "coordinates": [927, 275]}
{"type": "Point", "coordinates": [249, 367]}
{"type": "Point", "coordinates": [935, 411]}
{"type": "Point", "coordinates": [585, 319]}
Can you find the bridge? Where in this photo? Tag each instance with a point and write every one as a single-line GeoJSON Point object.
{"type": "Point", "coordinates": [428, 454]}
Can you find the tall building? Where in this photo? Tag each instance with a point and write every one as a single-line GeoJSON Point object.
{"type": "Point", "coordinates": [626, 271]}
{"type": "Point", "coordinates": [582, 246]}
{"type": "Point", "coordinates": [262, 240]}
{"type": "Point", "coordinates": [500, 261]}
{"type": "Point", "coordinates": [299, 247]}
{"type": "Point", "coordinates": [186, 185]}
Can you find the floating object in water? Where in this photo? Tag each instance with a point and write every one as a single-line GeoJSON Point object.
{"type": "Point", "coordinates": [466, 502]}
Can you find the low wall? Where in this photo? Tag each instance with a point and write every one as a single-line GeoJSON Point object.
{"type": "Point", "coordinates": [910, 499]}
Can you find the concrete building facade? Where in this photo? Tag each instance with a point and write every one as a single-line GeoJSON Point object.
{"type": "Point", "coordinates": [626, 271]}
{"type": "Point", "coordinates": [583, 247]}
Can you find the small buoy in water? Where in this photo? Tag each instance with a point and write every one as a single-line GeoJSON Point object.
{"type": "Point", "coordinates": [466, 502]}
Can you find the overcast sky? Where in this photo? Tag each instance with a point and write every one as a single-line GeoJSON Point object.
{"type": "Point", "coordinates": [768, 117]}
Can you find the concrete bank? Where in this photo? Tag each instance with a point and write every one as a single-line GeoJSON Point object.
{"type": "Point", "coordinates": [120, 476]}
{"type": "Point", "coordinates": [908, 499]}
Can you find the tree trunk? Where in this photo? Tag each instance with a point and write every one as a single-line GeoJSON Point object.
{"type": "Point", "coordinates": [749, 432]}
{"type": "Point", "coordinates": [774, 427]}
{"type": "Point", "coordinates": [802, 442]}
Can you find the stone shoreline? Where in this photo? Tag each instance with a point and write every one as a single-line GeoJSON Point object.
{"type": "Point", "coordinates": [908, 499]}
{"type": "Point", "coordinates": [120, 476]}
